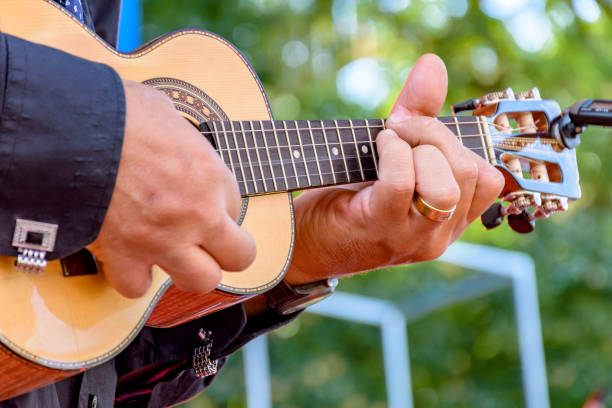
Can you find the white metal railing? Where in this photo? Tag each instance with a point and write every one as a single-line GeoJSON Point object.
{"type": "Point", "coordinates": [514, 269]}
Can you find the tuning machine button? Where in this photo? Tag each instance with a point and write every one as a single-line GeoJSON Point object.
{"type": "Point", "coordinates": [533, 93]}
{"type": "Point", "coordinates": [494, 216]}
{"type": "Point", "coordinates": [523, 223]}
{"type": "Point", "coordinates": [494, 97]}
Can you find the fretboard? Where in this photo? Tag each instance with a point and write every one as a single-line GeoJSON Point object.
{"type": "Point", "coordinates": [273, 156]}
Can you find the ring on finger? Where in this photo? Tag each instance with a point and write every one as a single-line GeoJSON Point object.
{"type": "Point", "coordinates": [429, 211]}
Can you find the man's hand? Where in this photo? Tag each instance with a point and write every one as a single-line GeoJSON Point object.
{"type": "Point", "coordinates": [174, 204]}
{"type": "Point", "coordinates": [344, 230]}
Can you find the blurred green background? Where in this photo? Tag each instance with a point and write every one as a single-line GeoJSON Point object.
{"type": "Point", "coordinates": [348, 59]}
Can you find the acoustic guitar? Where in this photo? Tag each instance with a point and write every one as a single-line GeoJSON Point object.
{"type": "Point", "coordinates": [67, 318]}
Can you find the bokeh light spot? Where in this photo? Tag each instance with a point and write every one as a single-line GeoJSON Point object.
{"type": "Point", "coordinates": [363, 82]}
{"type": "Point", "coordinates": [587, 10]}
{"type": "Point", "coordinates": [295, 53]}
{"type": "Point", "coordinates": [393, 6]}
{"type": "Point", "coordinates": [484, 60]}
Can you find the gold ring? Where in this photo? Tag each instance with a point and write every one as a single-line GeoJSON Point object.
{"type": "Point", "coordinates": [431, 212]}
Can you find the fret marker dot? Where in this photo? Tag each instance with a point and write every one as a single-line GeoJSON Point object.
{"type": "Point", "coordinates": [364, 148]}
{"type": "Point", "coordinates": [335, 151]}
{"type": "Point", "coordinates": [296, 154]}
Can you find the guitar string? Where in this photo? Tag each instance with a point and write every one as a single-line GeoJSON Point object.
{"type": "Point", "coordinates": [364, 126]}
{"type": "Point", "coordinates": [323, 159]}
{"type": "Point", "coordinates": [299, 145]}
{"type": "Point", "coordinates": [449, 125]}
{"type": "Point", "coordinates": [501, 136]}
{"type": "Point", "coordinates": [283, 162]}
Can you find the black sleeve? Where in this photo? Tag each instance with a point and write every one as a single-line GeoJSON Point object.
{"type": "Point", "coordinates": [61, 131]}
{"type": "Point", "coordinates": [104, 15]}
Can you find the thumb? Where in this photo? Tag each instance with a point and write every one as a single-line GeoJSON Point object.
{"type": "Point", "coordinates": [425, 89]}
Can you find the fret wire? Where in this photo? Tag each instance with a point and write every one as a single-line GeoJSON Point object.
{"type": "Point", "coordinates": [299, 138]}
{"type": "Point", "coordinates": [331, 165]}
{"type": "Point", "coordinates": [248, 153]}
{"type": "Point", "coordinates": [268, 152]}
{"type": "Point", "coordinates": [487, 138]}
{"type": "Point", "coordinates": [315, 152]}
{"type": "Point", "coordinates": [229, 152]}
{"type": "Point", "coordinates": [217, 140]}
{"type": "Point", "coordinates": [458, 129]}
{"type": "Point", "coordinates": [279, 154]}
{"type": "Point", "coordinates": [263, 177]}
{"type": "Point", "coordinates": [357, 148]}
{"type": "Point", "coordinates": [372, 146]}
{"type": "Point", "coordinates": [295, 173]}
{"type": "Point", "coordinates": [342, 150]}
{"type": "Point", "coordinates": [484, 146]}
{"type": "Point", "coordinates": [239, 157]}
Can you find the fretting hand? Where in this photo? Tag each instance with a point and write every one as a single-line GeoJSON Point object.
{"type": "Point", "coordinates": [344, 230]}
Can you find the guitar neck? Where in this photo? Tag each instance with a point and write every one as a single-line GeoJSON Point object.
{"type": "Point", "coordinates": [276, 156]}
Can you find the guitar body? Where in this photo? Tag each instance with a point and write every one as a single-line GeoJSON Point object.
{"type": "Point", "coordinates": [53, 326]}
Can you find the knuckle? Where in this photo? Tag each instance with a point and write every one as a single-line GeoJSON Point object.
{"type": "Point", "coordinates": [468, 170]}
{"type": "Point", "coordinates": [433, 125]}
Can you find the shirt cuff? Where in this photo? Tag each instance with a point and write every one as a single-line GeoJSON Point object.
{"type": "Point", "coordinates": [61, 133]}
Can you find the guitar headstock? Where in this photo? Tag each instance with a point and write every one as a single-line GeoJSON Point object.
{"type": "Point", "coordinates": [541, 174]}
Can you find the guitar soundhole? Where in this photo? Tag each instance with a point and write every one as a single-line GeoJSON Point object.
{"type": "Point", "coordinates": [197, 107]}
{"type": "Point", "coordinates": [189, 99]}
{"type": "Point", "coordinates": [79, 264]}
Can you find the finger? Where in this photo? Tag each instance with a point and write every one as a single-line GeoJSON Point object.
{"type": "Point", "coordinates": [489, 185]}
{"type": "Point", "coordinates": [128, 276]}
{"type": "Point", "coordinates": [425, 89]}
{"type": "Point", "coordinates": [192, 269]}
{"type": "Point", "coordinates": [232, 247]}
{"type": "Point", "coordinates": [435, 182]}
{"type": "Point", "coordinates": [420, 130]}
{"type": "Point", "coordinates": [391, 194]}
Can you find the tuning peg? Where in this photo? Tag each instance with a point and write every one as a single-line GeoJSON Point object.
{"type": "Point", "coordinates": [494, 97]}
{"type": "Point", "coordinates": [493, 217]}
{"type": "Point", "coordinates": [522, 223]}
{"type": "Point", "coordinates": [533, 93]}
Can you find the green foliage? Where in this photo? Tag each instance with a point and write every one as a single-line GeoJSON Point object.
{"type": "Point", "coordinates": [466, 355]}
